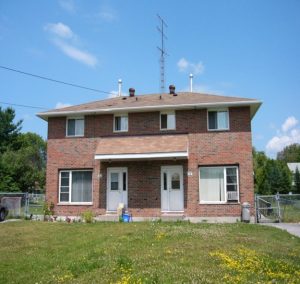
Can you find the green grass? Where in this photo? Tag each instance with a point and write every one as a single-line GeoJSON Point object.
{"type": "Point", "coordinates": [38, 252]}
{"type": "Point", "coordinates": [291, 214]}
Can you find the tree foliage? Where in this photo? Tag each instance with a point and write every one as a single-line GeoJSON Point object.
{"type": "Point", "coordinates": [290, 154]}
{"type": "Point", "coordinates": [270, 176]}
{"type": "Point", "coordinates": [22, 156]}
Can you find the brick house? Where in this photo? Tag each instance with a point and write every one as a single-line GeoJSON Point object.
{"type": "Point", "coordinates": [187, 155]}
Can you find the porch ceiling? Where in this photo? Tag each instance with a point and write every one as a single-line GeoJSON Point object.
{"type": "Point", "coordinates": [143, 147]}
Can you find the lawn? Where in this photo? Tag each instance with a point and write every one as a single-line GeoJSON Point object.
{"type": "Point", "coordinates": [150, 252]}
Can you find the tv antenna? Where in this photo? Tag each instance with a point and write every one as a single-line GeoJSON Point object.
{"type": "Point", "coordinates": [163, 53]}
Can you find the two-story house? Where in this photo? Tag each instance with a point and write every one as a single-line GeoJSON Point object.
{"type": "Point", "coordinates": [183, 154]}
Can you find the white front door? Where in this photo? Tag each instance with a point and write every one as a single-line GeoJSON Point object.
{"type": "Point", "coordinates": [172, 188]}
{"type": "Point", "coordinates": [116, 188]}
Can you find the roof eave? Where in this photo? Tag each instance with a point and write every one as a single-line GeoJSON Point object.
{"type": "Point", "coordinates": [254, 106]}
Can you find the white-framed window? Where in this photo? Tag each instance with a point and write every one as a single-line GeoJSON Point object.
{"type": "Point", "coordinates": [218, 184]}
{"type": "Point", "coordinates": [167, 120]}
{"type": "Point", "coordinates": [218, 119]}
{"type": "Point", "coordinates": [75, 186]}
{"type": "Point", "coordinates": [120, 122]}
{"type": "Point", "coordinates": [75, 126]}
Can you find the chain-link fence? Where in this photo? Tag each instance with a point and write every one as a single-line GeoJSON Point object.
{"type": "Point", "coordinates": [278, 208]}
{"type": "Point", "coordinates": [23, 205]}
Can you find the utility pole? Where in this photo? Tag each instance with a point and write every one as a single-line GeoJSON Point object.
{"type": "Point", "coordinates": [163, 53]}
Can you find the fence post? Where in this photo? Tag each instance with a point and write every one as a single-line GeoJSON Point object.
{"type": "Point", "coordinates": [26, 204]}
{"type": "Point", "coordinates": [277, 197]}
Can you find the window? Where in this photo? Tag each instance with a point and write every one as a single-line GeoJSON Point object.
{"type": "Point", "coordinates": [75, 186]}
{"type": "Point", "coordinates": [75, 127]}
{"type": "Point", "coordinates": [218, 184]}
{"type": "Point", "coordinates": [175, 181]}
{"type": "Point", "coordinates": [218, 120]}
{"type": "Point", "coordinates": [167, 120]}
{"type": "Point", "coordinates": [121, 122]}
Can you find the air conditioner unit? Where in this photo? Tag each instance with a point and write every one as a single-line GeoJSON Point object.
{"type": "Point", "coordinates": [232, 195]}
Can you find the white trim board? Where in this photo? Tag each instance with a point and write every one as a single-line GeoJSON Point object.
{"type": "Point", "coordinates": [142, 156]}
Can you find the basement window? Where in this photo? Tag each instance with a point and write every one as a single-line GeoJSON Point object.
{"type": "Point", "coordinates": [75, 127]}
{"type": "Point", "coordinates": [167, 120]}
{"type": "Point", "coordinates": [121, 123]}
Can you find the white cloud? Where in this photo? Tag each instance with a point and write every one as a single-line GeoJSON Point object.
{"type": "Point", "coordinates": [107, 14]}
{"type": "Point", "coordinates": [60, 30]}
{"type": "Point", "coordinates": [186, 66]}
{"type": "Point", "coordinates": [77, 54]}
{"type": "Point", "coordinates": [290, 135]}
{"type": "Point", "coordinates": [114, 94]}
{"type": "Point", "coordinates": [62, 105]}
{"type": "Point", "coordinates": [67, 5]}
{"type": "Point", "coordinates": [289, 123]}
{"type": "Point", "coordinates": [65, 39]}
{"type": "Point", "coordinates": [201, 88]}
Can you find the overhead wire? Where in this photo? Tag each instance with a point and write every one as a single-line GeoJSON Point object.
{"type": "Point", "coordinates": [48, 79]}
{"type": "Point", "coordinates": [53, 80]}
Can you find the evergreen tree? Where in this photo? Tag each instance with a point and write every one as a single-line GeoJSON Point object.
{"type": "Point", "coordinates": [290, 154]}
{"type": "Point", "coordinates": [297, 181]}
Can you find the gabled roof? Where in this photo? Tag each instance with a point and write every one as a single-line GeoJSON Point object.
{"type": "Point", "coordinates": [139, 103]}
{"type": "Point", "coordinates": [293, 166]}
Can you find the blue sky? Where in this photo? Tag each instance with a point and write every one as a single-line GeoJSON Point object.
{"type": "Point", "coordinates": [237, 48]}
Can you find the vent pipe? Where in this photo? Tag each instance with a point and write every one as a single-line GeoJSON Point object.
{"type": "Point", "coordinates": [120, 87]}
{"type": "Point", "coordinates": [191, 82]}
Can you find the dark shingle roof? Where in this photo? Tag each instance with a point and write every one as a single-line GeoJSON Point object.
{"type": "Point", "coordinates": [183, 100]}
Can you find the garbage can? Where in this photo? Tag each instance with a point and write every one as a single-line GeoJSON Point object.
{"type": "Point", "coordinates": [246, 212]}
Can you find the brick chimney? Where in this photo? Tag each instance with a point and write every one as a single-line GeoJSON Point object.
{"type": "Point", "coordinates": [131, 92]}
{"type": "Point", "coordinates": [172, 90]}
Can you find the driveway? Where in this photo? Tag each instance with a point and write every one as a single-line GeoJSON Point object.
{"type": "Point", "coordinates": [292, 228]}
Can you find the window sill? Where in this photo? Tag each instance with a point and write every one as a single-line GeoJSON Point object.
{"type": "Point", "coordinates": [75, 203]}
{"type": "Point", "coordinates": [120, 131]}
{"type": "Point", "coordinates": [219, 203]}
{"type": "Point", "coordinates": [74, 136]}
{"type": "Point", "coordinates": [167, 129]}
{"type": "Point", "coordinates": [218, 130]}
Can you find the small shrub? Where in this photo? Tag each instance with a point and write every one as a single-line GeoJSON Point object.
{"type": "Point", "coordinates": [88, 216]}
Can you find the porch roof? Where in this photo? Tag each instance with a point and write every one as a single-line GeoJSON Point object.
{"type": "Point", "coordinates": [142, 147]}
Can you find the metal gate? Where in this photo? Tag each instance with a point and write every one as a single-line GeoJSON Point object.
{"type": "Point", "coordinates": [277, 208]}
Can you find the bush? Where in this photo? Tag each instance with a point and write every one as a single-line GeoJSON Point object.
{"type": "Point", "coordinates": [88, 216]}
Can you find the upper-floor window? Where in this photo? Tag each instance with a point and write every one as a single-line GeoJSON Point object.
{"type": "Point", "coordinates": [121, 123]}
{"type": "Point", "coordinates": [167, 120]}
{"type": "Point", "coordinates": [75, 126]}
{"type": "Point", "coordinates": [218, 120]}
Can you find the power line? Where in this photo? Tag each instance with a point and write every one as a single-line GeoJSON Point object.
{"type": "Point", "coordinates": [54, 80]}
{"type": "Point", "coordinates": [28, 106]}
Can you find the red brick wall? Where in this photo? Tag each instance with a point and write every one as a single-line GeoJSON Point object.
{"type": "Point", "coordinates": [205, 148]}
{"type": "Point", "coordinates": [143, 123]}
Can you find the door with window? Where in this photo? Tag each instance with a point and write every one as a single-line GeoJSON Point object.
{"type": "Point", "coordinates": [116, 188]}
{"type": "Point", "coordinates": [172, 188]}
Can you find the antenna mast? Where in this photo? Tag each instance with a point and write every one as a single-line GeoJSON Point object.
{"type": "Point", "coordinates": [163, 53]}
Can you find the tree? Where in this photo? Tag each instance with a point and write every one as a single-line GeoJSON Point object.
{"type": "Point", "coordinates": [297, 181]}
{"type": "Point", "coordinates": [270, 176]}
{"type": "Point", "coordinates": [290, 154]}
{"type": "Point", "coordinates": [24, 167]}
{"type": "Point", "coordinates": [9, 130]}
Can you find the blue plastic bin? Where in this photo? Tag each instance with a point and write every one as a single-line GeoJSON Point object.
{"type": "Point", "coordinates": [126, 218]}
